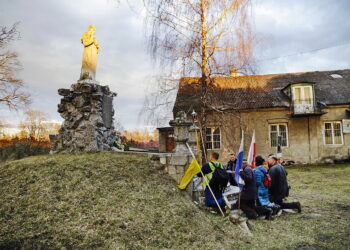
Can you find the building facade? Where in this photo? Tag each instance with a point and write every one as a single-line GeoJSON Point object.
{"type": "Point", "coordinates": [310, 112]}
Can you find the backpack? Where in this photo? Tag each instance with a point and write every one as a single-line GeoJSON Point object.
{"type": "Point", "coordinates": [219, 178]}
{"type": "Point", "coordinates": [267, 180]}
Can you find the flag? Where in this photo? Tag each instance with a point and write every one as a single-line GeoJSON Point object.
{"type": "Point", "coordinates": [252, 152]}
{"type": "Point", "coordinates": [193, 169]}
{"type": "Point", "coordinates": [239, 162]}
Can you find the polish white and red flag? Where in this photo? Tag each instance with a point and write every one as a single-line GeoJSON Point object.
{"type": "Point", "coordinates": [252, 152]}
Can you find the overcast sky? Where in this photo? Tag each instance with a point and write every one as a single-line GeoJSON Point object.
{"type": "Point", "coordinates": [51, 52]}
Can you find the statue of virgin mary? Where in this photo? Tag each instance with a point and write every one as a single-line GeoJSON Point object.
{"type": "Point", "coordinates": [91, 47]}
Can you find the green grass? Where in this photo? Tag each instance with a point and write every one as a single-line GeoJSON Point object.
{"type": "Point", "coordinates": [113, 200]}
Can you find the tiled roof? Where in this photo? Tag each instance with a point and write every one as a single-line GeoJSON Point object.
{"type": "Point", "coordinates": [263, 91]}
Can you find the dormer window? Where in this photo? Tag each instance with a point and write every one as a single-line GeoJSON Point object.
{"type": "Point", "coordinates": [303, 98]}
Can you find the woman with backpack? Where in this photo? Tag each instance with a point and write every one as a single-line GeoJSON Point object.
{"type": "Point", "coordinates": [263, 182]}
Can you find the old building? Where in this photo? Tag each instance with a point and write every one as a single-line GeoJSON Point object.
{"type": "Point", "coordinates": [309, 111]}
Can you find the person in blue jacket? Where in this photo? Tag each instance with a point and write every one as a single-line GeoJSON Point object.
{"type": "Point", "coordinates": [263, 192]}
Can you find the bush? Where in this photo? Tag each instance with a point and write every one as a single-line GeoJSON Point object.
{"type": "Point", "coordinates": [18, 149]}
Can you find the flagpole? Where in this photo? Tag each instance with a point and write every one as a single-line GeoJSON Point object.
{"type": "Point", "coordinates": [211, 191]}
{"type": "Point", "coordinates": [203, 146]}
{"type": "Point", "coordinates": [240, 162]}
{"type": "Point", "coordinates": [202, 138]}
{"type": "Point", "coordinates": [198, 145]}
{"type": "Point", "coordinates": [199, 155]}
{"type": "Point", "coordinates": [239, 200]}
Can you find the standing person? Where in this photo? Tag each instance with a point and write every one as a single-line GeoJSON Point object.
{"type": "Point", "coordinates": [208, 170]}
{"type": "Point", "coordinates": [230, 169]}
{"type": "Point", "coordinates": [248, 194]}
{"type": "Point", "coordinates": [263, 200]}
{"type": "Point", "coordinates": [279, 186]}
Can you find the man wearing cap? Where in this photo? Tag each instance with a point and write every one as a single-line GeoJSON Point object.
{"type": "Point", "coordinates": [279, 186]}
{"type": "Point", "coordinates": [230, 169]}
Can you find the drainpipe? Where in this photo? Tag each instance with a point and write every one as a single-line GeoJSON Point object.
{"type": "Point", "coordinates": [308, 129]}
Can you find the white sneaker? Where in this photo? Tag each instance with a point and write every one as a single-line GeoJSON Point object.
{"type": "Point", "coordinates": [227, 202]}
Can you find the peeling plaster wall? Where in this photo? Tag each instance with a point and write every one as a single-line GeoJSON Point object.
{"type": "Point", "coordinates": [305, 134]}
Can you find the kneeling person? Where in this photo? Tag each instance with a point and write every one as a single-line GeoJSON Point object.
{"type": "Point", "coordinates": [266, 207]}
{"type": "Point", "coordinates": [208, 170]}
{"type": "Point", "coordinates": [279, 187]}
{"type": "Point", "coordinates": [249, 192]}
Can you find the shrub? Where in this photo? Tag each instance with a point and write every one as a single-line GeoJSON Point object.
{"type": "Point", "coordinates": [17, 149]}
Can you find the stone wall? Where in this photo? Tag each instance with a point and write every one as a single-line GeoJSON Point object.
{"type": "Point", "coordinates": [87, 110]}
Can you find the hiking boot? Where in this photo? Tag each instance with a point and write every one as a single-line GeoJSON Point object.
{"type": "Point", "coordinates": [279, 212]}
{"type": "Point", "coordinates": [269, 214]}
{"type": "Point", "coordinates": [275, 209]}
{"type": "Point", "coordinates": [298, 207]}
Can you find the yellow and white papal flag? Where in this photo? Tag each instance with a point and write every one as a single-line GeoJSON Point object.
{"type": "Point", "coordinates": [193, 169]}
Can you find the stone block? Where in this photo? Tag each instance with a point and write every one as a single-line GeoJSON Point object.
{"type": "Point", "coordinates": [178, 160]}
{"type": "Point", "coordinates": [180, 169]}
{"type": "Point", "coordinates": [163, 160]}
{"type": "Point", "coordinates": [63, 92]}
{"type": "Point", "coordinates": [172, 170]}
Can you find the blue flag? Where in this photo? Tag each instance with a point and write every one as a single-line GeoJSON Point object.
{"type": "Point", "coordinates": [239, 161]}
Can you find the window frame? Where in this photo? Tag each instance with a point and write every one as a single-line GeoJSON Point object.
{"type": "Point", "coordinates": [278, 133]}
{"type": "Point", "coordinates": [302, 94]}
{"type": "Point", "coordinates": [332, 130]}
{"type": "Point", "coordinates": [212, 129]}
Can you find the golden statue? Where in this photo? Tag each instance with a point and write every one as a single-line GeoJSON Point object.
{"type": "Point", "coordinates": [91, 47]}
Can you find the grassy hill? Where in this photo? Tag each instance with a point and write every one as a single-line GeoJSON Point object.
{"type": "Point", "coordinates": [113, 200]}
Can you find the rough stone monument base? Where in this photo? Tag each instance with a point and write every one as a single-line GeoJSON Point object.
{"type": "Point", "coordinates": [87, 110]}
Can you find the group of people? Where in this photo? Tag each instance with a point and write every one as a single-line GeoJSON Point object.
{"type": "Point", "coordinates": [262, 190]}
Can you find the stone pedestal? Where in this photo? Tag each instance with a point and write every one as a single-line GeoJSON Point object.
{"type": "Point", "coordinates": [181, 133]}
{"type": "Point", "coordinates": [87, 110]}
{"type": "Point", "coordinates": [184, 132]}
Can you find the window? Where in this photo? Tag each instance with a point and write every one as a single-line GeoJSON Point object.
{"type": "Point", "coordinates": [302, 95]}
{"type": "Point", "coordinates": [333, 134]}
{"type": "Point", "coordinates": [279, 129]}
{"type": "Point", "coordinates": [213, 138]}
{"type": "Point", "coordinates": [336, 76]}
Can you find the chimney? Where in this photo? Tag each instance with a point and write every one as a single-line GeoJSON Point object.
{"type": "Point", "coordinates": [233, 72]}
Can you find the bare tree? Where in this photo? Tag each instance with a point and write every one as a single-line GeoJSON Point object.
{"type": "Point", "coordinates": [202, 38]}
{"type": "Point", "coordinates": [198, 38]}
{"type": "Point", "coordinates": [12, 92]}
{"type": "Point", "coordinates": [34, 125]}
{"type": "Point", "coordinates": [119, 128]}
{"type": "Point", "coordinates": [3, 125]}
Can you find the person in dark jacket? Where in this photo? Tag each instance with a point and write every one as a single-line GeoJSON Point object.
{"type": "Point", "coordinates": [208, 170]}
{"type": "Point", "coordinates": [248, 194]}
{"type": "Point", "coordinates": [230, 169]}
{"type": "Point", "coordinates": [279, 186]}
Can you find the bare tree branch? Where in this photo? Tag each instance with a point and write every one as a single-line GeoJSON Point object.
{"type": "Point", "coordinates": [12, 89]}
{"type": "Point", "coordinates": [196, 38]}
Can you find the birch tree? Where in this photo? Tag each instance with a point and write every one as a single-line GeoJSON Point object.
{"type": "Point", "coordinates": [202, 38]}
